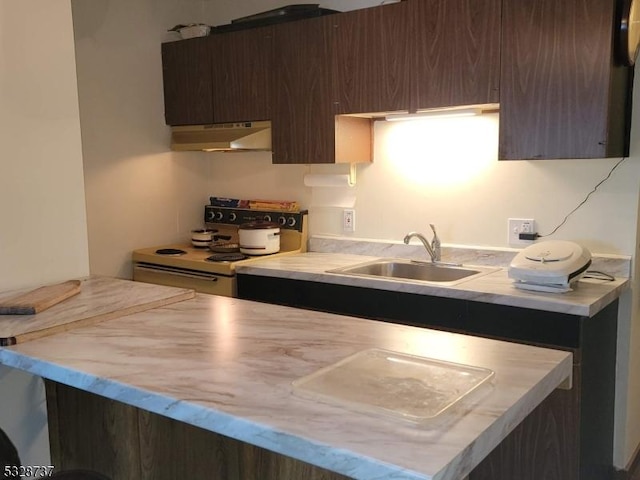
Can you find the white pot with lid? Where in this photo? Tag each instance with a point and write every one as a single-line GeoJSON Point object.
{"type": "Point", "coordinates": [259, 238]}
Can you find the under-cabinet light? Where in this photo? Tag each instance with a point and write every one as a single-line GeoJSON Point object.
{"type": "Point", "coordinates": [461, 112]}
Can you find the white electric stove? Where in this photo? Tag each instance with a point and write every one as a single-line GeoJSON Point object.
{"type": "Point", "coordinates": [185, 266]}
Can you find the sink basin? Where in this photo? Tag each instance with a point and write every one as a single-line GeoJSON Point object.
{"type": "Point", "coordinates": [414, 271]}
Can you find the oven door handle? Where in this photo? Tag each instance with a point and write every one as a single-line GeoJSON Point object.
{"type": "Point", "coordinates": [195, 275]}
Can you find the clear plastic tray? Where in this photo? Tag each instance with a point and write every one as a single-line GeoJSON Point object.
{"type": "Point", "coordinates": [412, 388]}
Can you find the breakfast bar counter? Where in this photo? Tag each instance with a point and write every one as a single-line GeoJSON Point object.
{"type": "Point", "coordinates": [226, 366]}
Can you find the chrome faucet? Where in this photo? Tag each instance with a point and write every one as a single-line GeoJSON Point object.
{"type": "Point", "coordinates": [432, 248]}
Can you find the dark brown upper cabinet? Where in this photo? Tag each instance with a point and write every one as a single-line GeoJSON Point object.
{"type": "Point", "coordinates": [302, 111]}
{"type": "Point", "coordinates": [548, 63]}
{"type": "Point", "coordinates": [372, 59]}
{"type": "Point", "coordinates": [241, 66]}
{"type": "Point", "coordinates": [561, 95]}
{"type": "Point", "coordinates": [457, 50]}
{"type": "Point", "coordinates": [186, 69]}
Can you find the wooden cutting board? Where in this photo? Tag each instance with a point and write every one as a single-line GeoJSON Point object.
{"type": "Point", "coordinates": [39, 299]}
{"type": "Point", "coordinates": [100, 299]}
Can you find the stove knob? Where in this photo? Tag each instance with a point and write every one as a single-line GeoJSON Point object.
{"type": "Point", "coordinates": [291, 222]}
{"type": "Point", "coordinates": [267, 218]}
{"type": "Point", "coordinates": [282, 221]}
{"type": "Point", "coordinates": [217, 216]}
{"type": "Point", "coordinates": [232, 216]}
{"type": "Point", "coordinates": [210, 215]}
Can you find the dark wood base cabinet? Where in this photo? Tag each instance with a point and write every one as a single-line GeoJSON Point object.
{"type": "Point", "coordinates": [543, 446]}
{"type": "Point", "coordinates": [568, 437]}
{"type": "Point", "coordinates": [126, 443]}
{"type": "Point", "coordinates": [90, 432]}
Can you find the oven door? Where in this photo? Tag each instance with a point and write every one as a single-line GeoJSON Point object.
{"type": "Point", "coordinates": [202, 282]}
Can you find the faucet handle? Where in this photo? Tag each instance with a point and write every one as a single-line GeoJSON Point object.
{"type": "Point", "coordinates": [435, 240]}
{"type": "Point", "coordinates": [435, 243]}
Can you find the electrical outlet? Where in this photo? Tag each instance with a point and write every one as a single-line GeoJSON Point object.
{"type": "Point", "coordinates": [520, 225]}
{"type": "Point", "coordinates": [349, 220]}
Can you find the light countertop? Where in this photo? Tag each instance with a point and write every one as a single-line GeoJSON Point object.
{"type": "Point", "coordinates": [226, 365]}
{"type": "Point", "coordinates": [588, 297]}
{"type": "Point", "coordinates": [100, 299]}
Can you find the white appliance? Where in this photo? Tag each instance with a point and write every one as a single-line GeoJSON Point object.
{"type": "Point", "coordinates": [551, 266]}
{"type": "Point", "coordinates": [187, 266]}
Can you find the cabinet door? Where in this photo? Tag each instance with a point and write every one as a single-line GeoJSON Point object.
{"type": "Point", "coordinates": [554, 89]}
{"type": "Point", "coordinates": [241, 63]}
{"type": "Point", "coordinates": [302, 111]}
{"type": "Point", "coordinates": [186, 70]}
{"type": "Point", "coordinates": [372, 59]}
{"type": "Point", "coordinates": [457, 47]}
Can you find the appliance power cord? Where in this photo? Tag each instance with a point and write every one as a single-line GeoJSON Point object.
{"type": "Point", "coordinates": [585, 199]}
{"type": "Point", "coordinates": [598, 275]}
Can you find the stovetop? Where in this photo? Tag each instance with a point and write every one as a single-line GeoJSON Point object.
{"type": "Point", "coordinates": [293, 239]}
{"type": "Point", "coordinates": [215, 257]}
{"type": "Point", "coordinates": [196, 259]}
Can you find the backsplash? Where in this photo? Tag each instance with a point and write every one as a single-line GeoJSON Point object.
{"type": "Point", "coordinates": [616, 265]}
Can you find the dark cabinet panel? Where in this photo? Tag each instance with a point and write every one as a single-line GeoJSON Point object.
{"type": "Point", "coordinates": [558, 85]}
{"type": "Point", "coordinates": [241, 63]}
{"type": "Point", "coordinates": [125, 442]}
{"type": "Point", "coordinates": [302, 111]}
{"type": "Point", "coordinates": [457, 46]}
{"type": "Point", "coordinates": [186, 69]}
{"type": "Point", "coordinates": [106, 421]}
{"type": "Point", "coordinates": [417, 310]}
{"type": "Point", "coordinates": [372, 59]}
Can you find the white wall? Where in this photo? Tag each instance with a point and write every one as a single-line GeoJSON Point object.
{"type": "Point", "coordinates": [43, 230]}
{"type": "Point", "coordinates": [447, 173]}
{"type": "Point", "coordinates": [42, 215]}
{"type": "Point", "coordinates": [139, 194]}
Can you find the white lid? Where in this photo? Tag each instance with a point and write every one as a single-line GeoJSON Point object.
{"type": "Point", "coordinates": [554, 251]}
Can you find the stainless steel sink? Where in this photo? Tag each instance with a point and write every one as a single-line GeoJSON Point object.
{"type": "Point", "coordinates": [399, 269]}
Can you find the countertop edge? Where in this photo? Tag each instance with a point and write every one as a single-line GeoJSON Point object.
{"type": "Point", "coordinates": [215, 421]}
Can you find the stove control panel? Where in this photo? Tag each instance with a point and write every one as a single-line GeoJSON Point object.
{"type": "Point", "coordinates": [238, 216]}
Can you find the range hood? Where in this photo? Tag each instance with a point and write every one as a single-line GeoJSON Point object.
{"type": "Point", "coordinates": [222, 137]}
